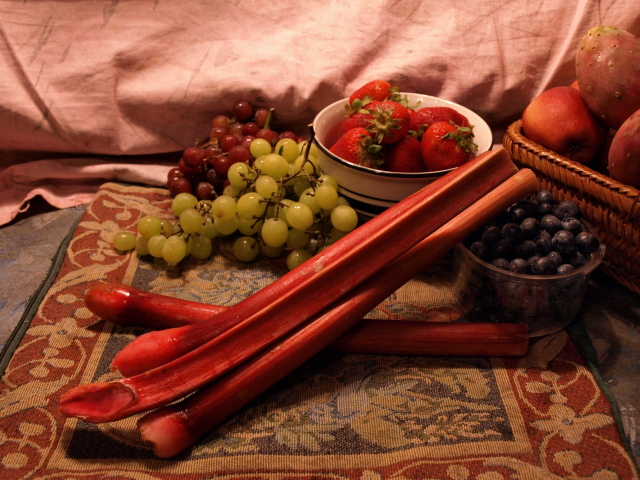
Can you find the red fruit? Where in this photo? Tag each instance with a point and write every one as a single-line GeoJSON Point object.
{"type": "Point", "coordinates": [560, 120]}
{"type": "Point", "coordinates": [360, 119]}
{"type": "Point", "coordinates": [624, 153]}
{"type": "Point", "coordinates": [430, 115]}
{"type": "Point", "coordinates": [446, 145]}
{"type": "Point", "coordinates": [389, 122]}
{"type": "Point", "coordinates": [405, 156]}
{"type": "Point", "coordinates": [375, 90]}
{"type": "Point", "coordinates": [357, 146]}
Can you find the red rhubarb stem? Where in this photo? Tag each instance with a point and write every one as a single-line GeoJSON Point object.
{"type": "Point", "coordinates": [174, 428]}
{"type": "Point", "coordinates": [263, 318]}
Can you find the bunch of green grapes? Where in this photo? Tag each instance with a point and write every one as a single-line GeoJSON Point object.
{"type": "Point", "coordinates": [281, 203]}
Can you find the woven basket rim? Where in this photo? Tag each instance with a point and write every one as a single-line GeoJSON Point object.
{"type": "Point", "coordinates": [586, 174]}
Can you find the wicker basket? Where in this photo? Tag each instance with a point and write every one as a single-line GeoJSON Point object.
{"type": "Point", "coordinates": [609, 206]}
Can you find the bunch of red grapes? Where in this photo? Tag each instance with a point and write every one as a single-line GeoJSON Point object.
{"type": "Point", "coordinates": [202, 169]}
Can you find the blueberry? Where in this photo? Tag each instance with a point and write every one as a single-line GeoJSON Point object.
{"type": "Point", "coordinates": [543, 266]}
{"type": "Point", "coordinates": [525, 249]}
{"type": "Point", "coordinates": [564, 242]}
{"type": "Point", "coordinates": [567, 208]}
{"type": "Point", "coordinates": [556, 257]}
{"type": "Point", "coordinates": [519, 265]}
{"type": "Point", "coordinates": [545, 209]}
{"type": "Point", "coordinates": [545, 196]}
{"type": "Point", "coordinates": [530, 227]}
{"type": "Point", "coordinates": [517, 213]}
{"type": "Point", "coordinates": [587, 243]}
{"type": "Point", "coordinates": [543, 243]}
{"type": "Point", "coordinates": [502, 263]}
{"type": "Point", "coordinates": [503, 248]}
{"type": "Point", "coordinates": [579, 259]}
{"type": "Point", "coordinates": [565, 268]}
{"type": "Point", "coordinates": [572, 224]}
{"type": "Point", "coordinates": [512, 232]}
{"type": "Point", "coordinates": [551, 224]}
{"type": "Point", "coordinates": [491, 235]}
{"type": "Point", "coordinates": [480, 250]}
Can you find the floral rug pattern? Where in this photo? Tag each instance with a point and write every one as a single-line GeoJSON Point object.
{"type": "Point", "coordinates": [340, 415]}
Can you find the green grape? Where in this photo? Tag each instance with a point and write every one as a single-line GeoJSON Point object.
{"type": "Point", "coordinates": [310, 164]}
{"type": "Point", "coordinates": [167, 227]}
{"type": "Point", "coordinates": [343, 201]}
{"type": "Point", "coordinates": [232, 191]}
{"type": "Point", "coordinates": [191, 221]}
{"type": "Point", "coordinates": [282, 208]}
{"type": "Point", "coordinates": [201, 247]}
{"type": "Point", "coordinates": [297, 257]}
{"type": "Point", "coordinates": [299, 216]}
{"type": "Point", "coordinates": [274, 232]}
{"type": "Point", "coordinates": [326, 179]}
{"type": "Point", "coordinates": [300, 184]}
{"type": "Point", "coordinates": [344, 218]}
{"type": "Point", "coordinates": [239, 174]}
{"type": "Point", "coordinates": [271, 252]}
{"type": "Point", "coordinates": [124, 241]}
{"type": "Point", "coordinates": [226, 227]}
{"type": "Point", "coordinates": [335, 235]}
{"type": "Point", "coordinates": [223, 207]}
{"type": "Point", "coordinates": [297, 239]}
{"type": "Point", "coordinates": [274, 165]}
{"type": "Point", "coordinates": [266, 186]}
{"type": "Point", "coordinates": [183, 201]}
{"type": "Point", "coordinates": [249, 226]}
{"type": "Point", "coordinates": [246, 249]}
{"type": "Point", "coordinates": [257, 164]}
{"type": "Point", "coordinates": [142, 246]}
{"type": "Point", "coordinates": [259, 147]}
{"type": "Point", "coordinates": [174, 250]}
{"type": "Point", "coordinates": [288, 148]}
{"type": "Point", "coordinates": [251, 205]}
{"type": "Point", "coordinates": [326, 196]}
{"type": "Point", "coordinates": [149, 225]}
{"type": "Point", "coordinates": [308, 198]}
{"type": "Point", "coordinates": [155, 244]}
{"type": "Point", "coordinates": [188, 242]}
{"type": "Point", "coordinates": [208, 229]}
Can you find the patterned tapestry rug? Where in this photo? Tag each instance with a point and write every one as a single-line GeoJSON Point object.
{"type": "Point", "coordinates": [338, 416]}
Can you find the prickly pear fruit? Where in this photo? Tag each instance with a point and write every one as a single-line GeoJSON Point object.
{"type": "Point", "coordinates": [624, 152]}
{"type": "Point", "coordinates": [608, 73]}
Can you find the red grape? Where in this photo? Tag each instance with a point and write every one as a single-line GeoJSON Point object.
{"type": "Point", "coordinates": [218, 132]}
{"type": "Point", "coordinates": [220, 121]}
{"type": "Point", "coordinates": [261, 117]}
{"type": "Point", "coordinates": [193, 156]}
{"type": "Point", "coordinates": [179, 185]}
{"type": "Point", "coordinates": [269, 135]}
{"type": "Point", "coordinates": [204, 191]}
{"type": "Point", "coordinates": [221, 165]}
{"type": "Point", "coordinates": [228, 141]}
{"type": "Point", "coordinates": [239, 153]}
{"type": "Point", "coordinates": [250, 128]}
{"type": "Point", "coordinates": [242, 111]}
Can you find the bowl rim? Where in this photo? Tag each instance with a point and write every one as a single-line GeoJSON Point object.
{"type": "Point", "coordinates": [386, 173]}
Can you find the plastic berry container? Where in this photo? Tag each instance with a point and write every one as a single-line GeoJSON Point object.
{"type": "Point", "coordinates": [547, 303]}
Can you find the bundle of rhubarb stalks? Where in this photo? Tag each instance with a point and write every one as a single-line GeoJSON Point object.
{"type": "Point", "coordinates": [203, 362]}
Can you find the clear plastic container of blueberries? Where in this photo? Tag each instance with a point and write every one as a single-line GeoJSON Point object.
{"type": "Point", "coordinates": [547, 303]}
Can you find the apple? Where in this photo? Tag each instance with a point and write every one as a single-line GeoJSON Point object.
{"type": "Point", "coordinates": [560, 120]}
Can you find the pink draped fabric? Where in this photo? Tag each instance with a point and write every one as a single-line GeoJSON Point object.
{"type": "Point", "coordinates": [87, 89]}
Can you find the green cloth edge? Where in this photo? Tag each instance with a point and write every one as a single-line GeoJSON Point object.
{"type": "Point", "coordinates": [577, 331]}
{"type": "Point", "coordinates": [34, 301]}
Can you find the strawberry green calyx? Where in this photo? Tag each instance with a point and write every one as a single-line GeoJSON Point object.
{"type": "Point", "coordinates": [372, 157]}
{"type": "Point", "coordinates": [389, 121]}
{"type": "Point", "coordinates": [463, 137]}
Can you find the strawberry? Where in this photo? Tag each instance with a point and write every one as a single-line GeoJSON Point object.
{"type": "Point", "coordinates": [357, 146]}
{"type": "Point", "coordinates": [426, 116]}
{"type": "Point", "coordinates": [405, 156]}
{"type": "Point", "coordinates": [446, 145]}
{"type": "Point", "coordinates": [389, 122]}
{"type": "Point", "coordinates": [375, 90]}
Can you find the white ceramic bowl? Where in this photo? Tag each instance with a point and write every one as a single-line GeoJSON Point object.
{"type": "Point", "coordinates": [370, 190]}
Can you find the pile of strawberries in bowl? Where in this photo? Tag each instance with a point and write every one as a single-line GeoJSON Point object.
{"type": "Point", "coordinates": [383, 145]}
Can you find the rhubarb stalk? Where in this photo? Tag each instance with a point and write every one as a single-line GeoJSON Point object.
{"type": "Point", "coordinates": [172, 429]}
{"type": "Point", "coordinates": [264, 317]}
{"type": "Point", "coordinates": [130, 306]}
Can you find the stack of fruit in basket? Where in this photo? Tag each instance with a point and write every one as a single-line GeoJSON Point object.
{"type": "Point", "coordinates": [596, 120]}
